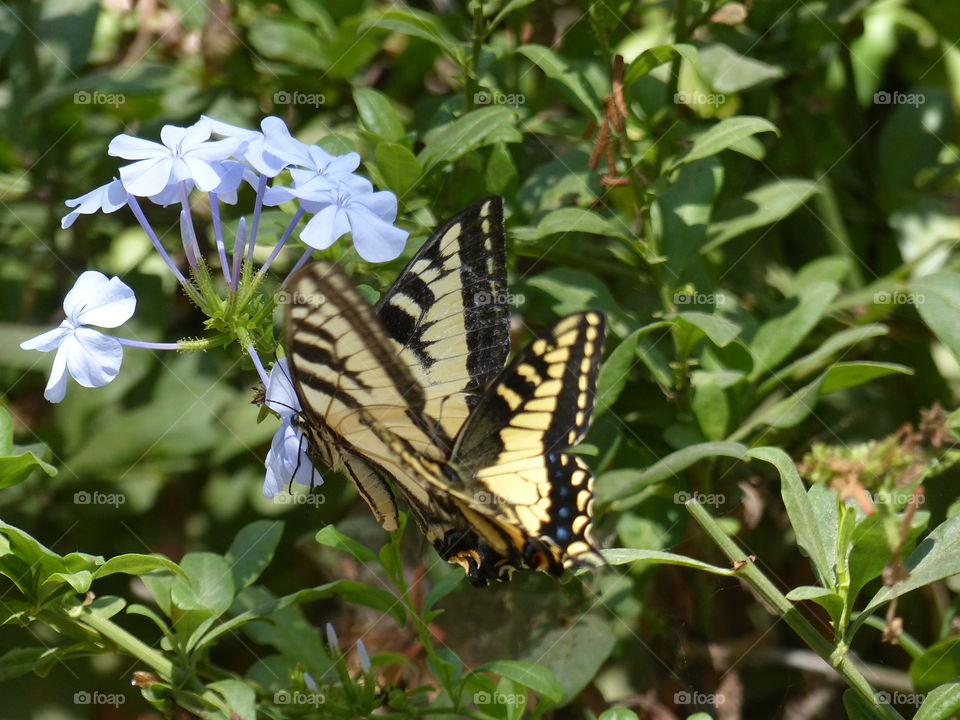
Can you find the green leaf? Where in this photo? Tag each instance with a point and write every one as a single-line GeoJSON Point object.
{"type": "Point", "coordinates": [624, 556]}
{"type": "Point", "coordinates": [536, 677]}
{"type": "Point", "coordinates": [935, 558]}
{"type": "Point", "coordinates": [939, 664]}
{"type": "Point", "coordinates": [377, 114]}
{"type": "Point", "coordinates": [938, 301]}
{"type": "Point", "coordinates": [19, 661]}
{"type": "Point", "coordinates": [723, 135]}
{"type": "Point", "coordinates": [655, 57]}
{"type": "Point", "coordinates": [828, 599]}
{"type": "Point", "coordinates": [508, 8]}
{"type": "Point", "coordinates": [759, 207]}
{"type": "Point", "coordinates": [417, 24]}
{"type": "Point", "coordinates": [209, 584]}
{"type": "Point", "coordinates": [681, 215]}
{"type": "Point", "coordinates": [616, 368]}
{"type": "Point", "coordinates": [331, 537]}
{"type": "Point", "coordinates": [16, 464]}
{"type": "Point", "coordinates": [710, 404]}
{"type": "Point", "coordinates": [500, 174]}
{"type": "Point", "coordinates": [728, 71]}
{"type": "Point", "coordinates": [805, 522]}
{"type": "Point", "coordinates": [618, 713]}
{"type": "Point", "coordinates": [859, 709]}
{"type": "Point", "coordinates": [574, 653]}
{"type": "Point", "coordinates": [576, 290]}
{"type": "Point", "coordinates": [480, 127]}
{"type": "Point", "coordinates": [138, 564]}
{"type": "Point", "coordinates": [239, 697]}
{"type": "Point", "coordinates": [570, 78]}
{"type": "Point", "coordinates": [6, 432]}
{"type": "Point", "coordinates": [672, 465]}
{"type": "Point", "coordinates": [290, 41]}
{"type": "Point", "coordinates": [398, 167]}
{"type": "Point", "coordinates": [252, 550]}
{"type": "Point", "coordinates": [940, 703]}
{"type": "Point", "coordinates": [574, 219]}
{"type": "Point", "coordinates": [716, 327]}
{"type": "Point", "coordinates": [779, 336]}
{"type": "Point", "coordinates": [835, 343]}
{"type": "Point", "coordinates": [843, 375]}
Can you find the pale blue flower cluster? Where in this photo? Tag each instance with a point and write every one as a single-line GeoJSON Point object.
{"type": "Point", "coordinates": [216, 158]}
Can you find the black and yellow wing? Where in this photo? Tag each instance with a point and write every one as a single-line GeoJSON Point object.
{"type": "Point", "coordinates": [347, 376]}
{"type": "Point", "coordinates": [447, 312]}
{"type": "Point", "coordinates": [448, 321]}
{"type": "Point", "coordinates": [527, 497]}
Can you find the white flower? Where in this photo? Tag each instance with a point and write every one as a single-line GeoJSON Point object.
{"type": "Point", "coordinates": [287, 459]}
{"type": "Point", "coordinates": [253, 144]}
{"type": "Point", "coordinates": [109, 198]}
{"type": "Point", "coordinates": [186, 153]}
{"type": "Point", "coordinates": [90, 357]}
{"type": "Point", "coordinates": [369, 216]}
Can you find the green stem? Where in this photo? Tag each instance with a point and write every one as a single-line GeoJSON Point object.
{"type": "Point", "coordinates": [837, 656]}
{"type": "Point", "coordinates": [128, 643]}
{"type": "Point", "coordinates": [471, 81]}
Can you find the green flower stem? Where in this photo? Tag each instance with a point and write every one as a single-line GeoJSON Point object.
{"type": "Point", "coordinates": [837, 656]}
{"type": "Point", "coordinates": [128, 643]}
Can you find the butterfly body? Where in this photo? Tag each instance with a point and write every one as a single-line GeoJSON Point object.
{"type": "Point", "coordinates": [413, 396]}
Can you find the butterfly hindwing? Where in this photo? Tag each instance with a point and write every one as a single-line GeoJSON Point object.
{"type": "Point", "coordinates": [510, 452]}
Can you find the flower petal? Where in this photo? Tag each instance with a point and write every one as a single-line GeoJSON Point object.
{"type": "Point", "coordinates": [203, 173]}
{"type": "Point", "coordinates": [213, 150]}
{"type": "Point", "coordinates": [286, 459]}
{"type": "Point", "coordinates": [375, 239]}
{"type": "Point", "coordinates": [133, 148]}
{"type": "Point", "coordinates": [279, 142]}
{"type": "Point", "coordinates": [281, 396]}
{"type": "Point", "coordinates": [56, 388]}
{"type": "Point", "coordinates": [147, 177]}
{"type": "Point", "coordinates": [383, 204]}
{"type": "Point", "coordinates": [325, 227]}
{"type": "Point", "coordinates": [93, 359]}
{"type": "Point", "coordinates": [50, 340]}
{"type": "Point", "coordinates": [95, 300]}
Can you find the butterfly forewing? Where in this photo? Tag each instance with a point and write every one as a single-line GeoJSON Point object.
{"type": "Point", "coordinates": [346, 371]}
{"type": "Point", "coordinates": [448, 313]}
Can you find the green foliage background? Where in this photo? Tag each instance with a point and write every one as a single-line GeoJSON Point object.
{"type": "Point", "coordinates": [763, 202]}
